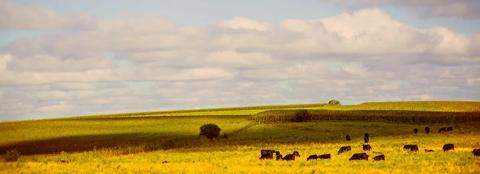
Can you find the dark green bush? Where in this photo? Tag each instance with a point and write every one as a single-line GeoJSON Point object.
{"type": "Point", "coordinates": [210, 131]}
{"type": "Point", "coordinates": [334, 102]}
{"type": "Point", "coordinates": [12, 155]}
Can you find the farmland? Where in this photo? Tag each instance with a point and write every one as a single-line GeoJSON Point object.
{"type": "Point", "coordinates": [168, 142]}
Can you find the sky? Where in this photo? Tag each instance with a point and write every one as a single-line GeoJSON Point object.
{"type": "Point", "coordinates": [68, 58]}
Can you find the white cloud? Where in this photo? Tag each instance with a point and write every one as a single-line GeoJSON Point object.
{"type": "Point", "coordinates": [241, 23]}
{"type": "Point", "coordinates": [145, 62]}
{"type": "Point", "coordinates": [19, 16]}
{"type": "Point", "coordinates": [236, 59]}
{"type": "Point", "coordinates": [424, 8]}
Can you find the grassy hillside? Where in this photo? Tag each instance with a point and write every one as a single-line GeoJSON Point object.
{"type": "Point", "coordinates": [239, 153]}
{"type": "Point", "coordinates": [140, 142]}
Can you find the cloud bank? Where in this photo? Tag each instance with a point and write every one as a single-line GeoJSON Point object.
{"type": "Point", "coordinates": [423, 8]}
{"type": "Point", "coordinates": [145, 62]}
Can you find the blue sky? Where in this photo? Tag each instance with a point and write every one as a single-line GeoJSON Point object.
{"type": "Point", "coordinates": [61, 58]}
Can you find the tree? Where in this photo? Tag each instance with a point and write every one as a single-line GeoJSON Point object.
{"type": "Point", "coordinates": [210, 131]}
{"type": "Point", "coordinates": [334, 102]}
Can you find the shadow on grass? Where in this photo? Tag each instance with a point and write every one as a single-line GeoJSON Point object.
{"type": "Point", "coordinates": [147, 142]}
{"type": "Point", "coordinates": [252, 134]}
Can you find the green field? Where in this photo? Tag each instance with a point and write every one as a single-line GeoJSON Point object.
{"type": "Point", "coordinates": [140, 142]}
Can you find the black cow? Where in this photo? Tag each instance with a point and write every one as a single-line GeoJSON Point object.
{"type": "Point", "coordinates": [476, 152]}
{"type": "Point", "coordinates": [367, 147]}
{"type": "Point", "coordinates": [278, 155]}
{"type": "Point", "coordinates": [325, 156]}
{"type": "Point", "coordinates": [312, 157]}
{"type": "Point", "coordinates": [429, 150]}
{"type": "Point", "coordinates": [348, 138]}
{"type": "Point", "coordinates": [415, 131]}
{"type": "Point", "coordinates": [449, 129]}
{"type": "Point", "coordinates": [359, 156]}
{"type": "Point", "coordinates": [411, 147]}
{"type": "Point", "coordinates": [448, 147]}
{"type": "Point", "coordinates": [291, 156]}
{"type": "Point", "coordinates": [427, 130]}
{"type": "Point", "coordinates": [366, 138]}
{"type": "Point", "coordinates": [266, 154]}
{"type": "Point", "coordinates": [443, 129]}
{"type": "Point", "coordinates": [344, 149]}
{"type": "Point", "coordinates": [379, 157]}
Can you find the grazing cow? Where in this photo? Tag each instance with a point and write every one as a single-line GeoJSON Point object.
{"type": "Point", "coordinates": [429, 150]}
{"type": "Point", "coordinates": [266, 154]}
{"type": "Point", "coordinates": [443, 129]}
{"type": "Point", "coordinates": [291, 156]}
{"type": "Point", "coordinates": [359, 156]}
{"type": "Point", "coordinates": [427, 130]}
{"type": "Point", "coordinates": [449, 129]}
{"type": "Point", "coordinates": [448, 147]}
{"type": "Point", "coordinates": [415, 131]}
{"type": "Point", "coordinates": [366, 138]}
{"type": "Point", "coordinates": [278, 155]}
{"type": "Point", "coordinates": [476, 152]}
{"type": "Point", "coordinates": [312, 157]}
{"type": "Point", "coordinates": [367, 147]}
{"type": "Point", "coordinates": [348, 138]}
{"type": "Point", "coordinates": [296, 153]}
{"type": "Point", "coordinates": [325, 156]}
{"type": "Point", "coordinates": [379, 157]}
{"type": "Point", "coordinates": [411, 147]}
{"type": "Point", "coordinates": [344, 149]}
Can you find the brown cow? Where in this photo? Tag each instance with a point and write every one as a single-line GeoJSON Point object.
{"type": "Point", "coordinates": [367, 147]}
{"type": "Point", "coordinates": [415, 131]}
{"type": "Point", "coordinates": [348, 138]}
{"type": "Point", "coordinates": [411, 147]}
{"type": "Point", "coordinates": [359, 156]}
{"type": "Point", "coordinates": [476, 152]}
{"type": "Point", "coordinates": [344, 149]}
{"type": "Point", "coordinates": [429, 150]}
{"type": "Point", "coordinates": [427, 130]}
{"type": "Point", "coordinates": [448, 147]}
{"type": "Point", "coordinates": [379, 157]}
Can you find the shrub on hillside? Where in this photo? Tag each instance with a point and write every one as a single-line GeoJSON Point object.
{"type": "Point", "coordinates": [334, 102]}
{"type": "Point", "coordinates": [210, 131]}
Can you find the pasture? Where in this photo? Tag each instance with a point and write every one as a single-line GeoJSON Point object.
{"type": "Point", "coordinates": [156, 143]}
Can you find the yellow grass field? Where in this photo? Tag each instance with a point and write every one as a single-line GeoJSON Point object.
{"type": "Point", "coordinates": [171, 145]}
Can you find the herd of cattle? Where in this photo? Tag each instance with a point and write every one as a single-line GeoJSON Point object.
{"type": "Point", "coordinates": [269, 154]}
